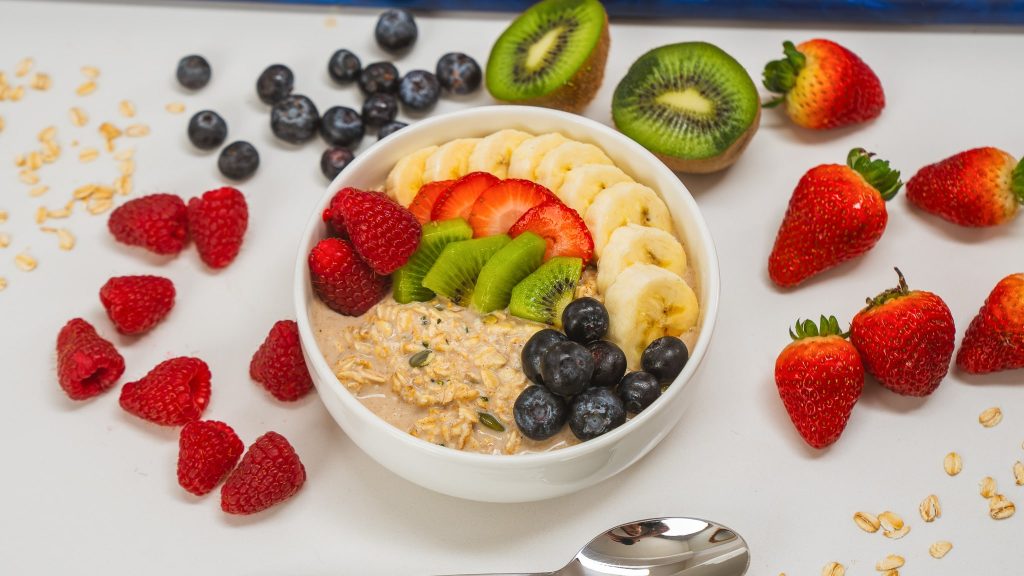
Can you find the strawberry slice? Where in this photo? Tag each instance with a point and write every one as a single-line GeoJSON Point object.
{"type": "Point", "coordinates": [423, 203]}
{"type": "Point", "coordinates": [561, 226]}
{"type": "Point", "coordinates": [459, 199]}
{"type": "Point", "coordinates": [501, 205]}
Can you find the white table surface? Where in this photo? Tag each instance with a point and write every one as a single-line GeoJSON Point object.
{"type": "Point", "coordinates": [88, 489]}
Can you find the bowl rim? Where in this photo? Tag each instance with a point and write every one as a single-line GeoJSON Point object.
{"type": "Point", "coordinates": [710, 277]}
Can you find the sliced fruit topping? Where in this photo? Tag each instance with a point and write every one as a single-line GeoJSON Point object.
{"type": "Point", "coordinates": [493, 153]}
{"type": "Point", "coordinates": [382, 232]}
{"type": "Point", "coordinates": [408, 280]}
{"type": "Point", "coordinates": [450, 160]}
{"type": "Point", "coordinates": [583, 183]}
{"type": "Point", "coordinates": [455, 272]}
{"type": "Point", "coordinates": [500, 206]}
{"type": "Point", "coordinates": [517, 260]}
{"type": "Point", "coordinates": [636, 244]}
{"type": "Point", "coordinates": [457, 201]}
{"type": "Point", "coordinates": [406, 178]}
{"type": "Point", "coordinates": [621, 204]}
{"type": "Point", "coordinates": [557, 163]}
{"type": "Point", "coordinates": [423, 204]}
{"type": "Point", "coordinates": [543, 295]}
{"type": "Point", "coordinates": [561, 227]}
{"type": "Point", "coordinates": [528, 155]}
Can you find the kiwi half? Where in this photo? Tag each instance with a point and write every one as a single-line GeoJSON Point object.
{"type": "Point", "coordinates": [691, 104]}
{"type": "Point", "coordinates": [552, 55]}
{"type": "Point", "coordinates": [517, 260]}
{"type": "Point", "coordinates": [543, 295]}
{"type": "Point", "coordinates": [455, 272]}
{"type": "Point", "coordinates": [408, 280]}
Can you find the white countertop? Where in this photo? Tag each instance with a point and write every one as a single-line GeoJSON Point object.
{"type": "Point", "coordinates": [89, 489]}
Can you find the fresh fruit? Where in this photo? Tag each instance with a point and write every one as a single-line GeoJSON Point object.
{"type": "Point", "coordinates": [543, 295]}
{"type": "Point", "coordinates": [238, 160]}
{"type": "Point", "coordinates": [218, 220]}
{"type": "Point", "coordinates": [408, 280]}
{"type": "Point", "coordinates": [824, 85]}
{"type": "Point", "coordinates": [458, 200]}
{"type": "Point", "coordinates": [665, 358]}
{"type": "Point", "coordinates": [423, 204]}
{"type": "Point", "coordinates": [379, 77]}
{"type": "Point", "coordinates": [560, 160]}
{"type": "Point", "coordinates": [836, 213]}
{"type": "Point", "coordinates": [691, 104]}
{"type": "Point", "coordinates": [583, 183]}
{"type": "Point", "coordinates": [278, 363]}
{"type": "Point", "coordinates": [594, 412]}
{"type": "Point", "coordinates": [621, 204]}
{"type": "Point", "coordinates": [905, 339]}
{"type": "Point", "coordinates": [552, 55]}
{"type": "Point", "coordinates": [396, 30]}
{"type": "Point", "coordinates": [609, 363]}
{"type": "Point", "coordinates": [334, 216]}
{"type": "Point", "coordinates": [635, 244]}
{"type": "Point", "coordinates": [979, 187]}
{"type": "Point", "coordinates": [566, 368]}
{"type": "Point", "coordinates": [86, 363]}
{"type": "Point", "coordinates": [275, 83]}
{"type": "Point", "coordinates": [342, 280]}
{"type": "Point", "coordinates": [995, 339]}
{"type": "Point", "coordinates": [645, 303]}
{"type": "Point", "coordinates": [157, 222]}
{"type": "Point", "coordinates": [458, 73]}
{"type": "Point", "coordinates": [344, 67]}
{"type": "Point", "coordinates": [500, 206]}
{"type": "Point", "coordinates": [419, 90]}
{"type": "Point", "coordinates": [585, 320]}
{"type": "Point", "coordinates": [533, 352]}
{"type": "Point", "coordinates": [406, 177]}
{"type": "Point", "coordinates": [528, 155]}
{"type": "Point", "coordinates": [450, 160]}
{"type": "Point", "coordinates": [493, 153]}
{"type": "Point", "coordinates": [294, 119]}
{"type": "Point", "coordinates": [342, 126]}
{"type": "Point", "coordinates": [193, 72]}
{"type": "Point", "coordinates": [560, 226]}
{"type": "Point", "coordinates": [382, 232]}
{"type": "Point", "coordinates": [820, 377]}
{"type": "Point", "coordinates": [515, 261]}
{"type": "Point", "coordinates": [207, 130]}
{"type": "Point", "coordinates": [389, 129]}
{"type": "Point", "coordinates": [379, 109]}
{"type": "Point", "coordinates": [135, 304]}
{"type": "Point", "coordinates": [270, 473]}
{"type": "Point", "coordinates": [539, 413]}
{"type": "Point", "coordinates": [207, 451]}
{"type": "Point", "coordinates": [455, 271]}
{"type": "Point", "coordinates": [175, 392]}
{"type": "Point", "coordinates": [638, 390]}
{"type": "Point", "coordinates": [334, 160]}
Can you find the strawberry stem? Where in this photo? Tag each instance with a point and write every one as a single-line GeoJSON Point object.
{"type": "Point", "coordinates": [808, 329]}
{"type": "Point", "coordinates": [780, 75]}
{"type": "Point", "coordinates": [876, 171]}
{"type": "Point", "coordinates": [1017, 181]}
{"type": "Point", "coordinates": [891, 293]}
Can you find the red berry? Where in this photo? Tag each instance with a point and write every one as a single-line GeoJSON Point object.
{"type": "Point", "coordinates": [158, 223]}
{"type": "Point", "coordinates": [207, 451]}
{"type": "Point", "coordinates": [278, 364]}
{"type": "Point", "coordinates": [423, 204]}
{"type": "Point", "coordinates": [217, 221]}
{"type": "Point", "coordinates": [995, 338]}
{"type": "Point", "coordinates": [333, 216]}
{"type": "Point", "coordinates": [173, 393]}
{"type": "Point", "coordinates": [135, 304]}
{"type": "Point", "coordinates": [458, 200]}
{"type": "Point", "coordinates": [342, 280]}
{"type": "Point", "coordinates": [501, 205]}
{"type": "Point", "coordinates": [383, 233]}
{"type": "Point", "coordinates": [979, 187]}
{"type": "Point", "coordinates": [270, 473]}
{"type": "Point", "coordinates": [561, 226]}
{"type": "Point", "coordinates": [86, 363]}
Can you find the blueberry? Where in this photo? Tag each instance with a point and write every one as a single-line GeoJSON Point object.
{"type": "Point", "coordinates": [193, 72]}
{"type": "Point", "coordinates": [534, 350]}
{"type": "Point", "coordinates": [344, 67]}
{"type": "Point", "coordinates": [665, 358]}
{"type": "Point", "coordinates": [379, 77]}
{"type": "Point", "coordinates": [238, 160]}
{"type": "Point", "coordinates": [458, 73]}
{"type": "Point", "coordinates": [396, 30]}
{"type": "Point", "coordinates": [342, 126]}
{"type": "Point", "coordinates": [275, 83]}
{"type": "Point", "coordinates": [379, 109]}
{"type": "Point", "coordinates": [539, 414]}
{"type": "Point", "coordinates": [585, 320]}
{"type": "Point", "coordinates": [207, 130]}
{"type": "Point", "coordinates": [294, 119]}
{"type": "Point", "coordinates": [419, 90]}
{"type": "Point", "coordinates": [594, 412]}
{"type": "Point", "coordinates": [566, 368]}
{"type": "Point", "coordinates": [609, 363]}
{"type": "Point", "coordinates": [389, 129]}
{"type": "Point", "coordinates": [334, 160]}
{"type": "Point", "coordinates": [638, 390]}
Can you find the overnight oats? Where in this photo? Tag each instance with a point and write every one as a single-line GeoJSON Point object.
{"type": "Point", "coordinates": [508, 294]}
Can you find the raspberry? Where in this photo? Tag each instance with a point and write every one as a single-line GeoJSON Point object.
{"type": "Point", "coordinates": [173, 393]}
{"type": "Point", "coordinates": [86, 363]}
{"type": "Point", "coordinates": [207, 451]}
{"type": "Point", "coordinates": [333, 216]}
{"type": "Point", "coordinates": [158, 223]}
{"type": "Point", "coordinates": [270, 473]}
{"type": "Point", "coordinates": [382, 232]}
{"type": "Point", "coordinates": [342, 280]}
{"type": "Point", "coordinates": [135, 304]}
{"type": "Point", "coordinates": [217, 221]}
{"type": "Point", "coordinates": [278, 364]}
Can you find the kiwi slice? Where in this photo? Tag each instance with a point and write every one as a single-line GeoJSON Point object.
{"type": "Point", "coordinates": [408, 280]}
{"type": "Point", "coordinates": [543, 295]}
{"type": "Point", "coordinates": [552, 55]}
{"type": "Point", "coordinates": [455, 272]}
{"type": "Point", "coordinates": [691, 104]}
{"type": "Point", "coordinates": [517, 260]}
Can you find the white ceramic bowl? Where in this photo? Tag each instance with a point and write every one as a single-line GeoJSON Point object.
{"type": "Point", "coordinates": [524, 477]}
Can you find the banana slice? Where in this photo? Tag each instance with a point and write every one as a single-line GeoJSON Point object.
{"type": "Point", "coordinates": [583, 183]}
{"type": "Point", "coordinates": [405, 179]}
{"type": "Point", "coordinates": [621, 204]}
{"type": "Point", "coordinates": [528, 155]}
{"type": "Point", "coordinates": [450, 160]}
{"type": "Point", "coordinates": [493, 153]}
{"type": "Point", "coordinates": [635, 244]}
{"type": "Point", "coordinates": [556, 164]}
{"type": "Point", "coordinates": [645, 303]}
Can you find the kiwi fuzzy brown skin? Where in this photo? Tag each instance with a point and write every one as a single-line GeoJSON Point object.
{"type": "Point", "coordinates": [716, 163]}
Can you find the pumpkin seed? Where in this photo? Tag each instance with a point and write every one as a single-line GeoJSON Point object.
{"type": "Point", "coordinates": [491, 422]}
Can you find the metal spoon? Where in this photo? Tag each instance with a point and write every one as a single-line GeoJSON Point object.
{"type": "Point", "coordinates": [659, 547]}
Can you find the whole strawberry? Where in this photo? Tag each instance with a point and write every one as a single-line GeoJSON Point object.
{"type": "Point", "coordinates": [270, 473]}
{"type": "Point", "coordinates": [86, 363]}
{"type": "Point", "coordinates": [905, 339]}
{"type": "Point", "coordinates": [979, 187]}
{"type": "Point", "coordinates": [173, 393]}
{"type": "Point", "coordinates": [836, 213]}
{"type": "Point", "coordinates": [207, 452]}
{"type": "Point", "coordinates": [135, 304]}
{"type": "Point", "coordinates": [158, 223]}
{"type": "Point", "coordinates": [820, 378]}
{"type": "Point", "coordinates": [217, 221]}
{"type": "Point", "coordinates": [279, 365]}
{"type": "Point", "coordinates": [824, 85]}
{"type": "Point", "coordinates": [383, 232]}
{"type": "Point", "coordinates": [995, 338]}
{"type": "Point", "coordinates": [342, 280]}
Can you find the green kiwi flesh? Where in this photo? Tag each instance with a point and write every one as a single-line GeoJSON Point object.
{"type": "Point", "coordinates": [455, 272]}
{"type": "Point", "coordinates": [408, 280]}
{"type": "Point", "coordinates": [517, 260]}
{"type": "Point", "coordinates": [543, 295]}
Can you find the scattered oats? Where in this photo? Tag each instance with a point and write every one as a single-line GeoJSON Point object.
{"type": "Point", "coordinates": [866, 521]}
{"type": "Point", "coordinates": [29, 177]}
{"type": "Point", "coordinates": [38, 191]}
{"type": "Point", "coordinates": [890, 562]}
{"type": "Point", "coordinates": [833, 569]}
{"type": "Point", "coordinates": [126, 108]}
{"type": "Point", "coordinates": [3, 283]}
{"type": "Point", "coordinates": [127, 167]}
{"type": "Point", "coordinates": [25, 262]}
{"type": "Point", "coordinates": [5, 240]}
{"type": "Point", "coordinates": [940, 549]}
{"type": "Point", "coordinates": [1018, 473]}
{"type": "Point", "coordinates": [109, 133]}
{"type": "Point", "coordinates": [930, 508]}
{"type": "Point", "coordinates": [124, 154]}
{"type": "Point", "coordinates": [41, 81]}
{"type": "Point", "coordinates": [34, 161]}
{"type": "Point", "coordinates": [66, 241]}
{"type": "Point", "coordinates": [897, 534]}
{"type": "Point", "coordinates": [893, 572]}
{"type": "Point", "coordinates": [991, 417]}
{"type": "Point", "coordinates": [137, 130]}
{"type": "Point", "coordinates": [15, 94]}
{"type": "Point", "coordinates": [3, 78]}
{"type": "Point", "coordinates": [88, 154]}
{"type": "Point", "coordinates": [41, 213]}
{"type": "Point", "coordinates": [23, 68]}
{"type": "Point", "coordinates": [83, 191]}
{"type": "Point", "coordinates": [330, 22]}
{"type": "Point", "coordinates": [3, 216]}
{"type": "Point", "coordinates": [987, 487]}
{"type": "Point", "coordinates": [51, 150]}
{"type": "Point", "coordinates": [102, 193]}
{"type": "Point", "coordinates": [953, 464]}
{"type": "Point", "coordinates": [47, 134]}
{"type": "Point", "coordinates": [890, 520]}
{"type": "Point", "coordinates": [123, 185]}
{"type": "Point", "coordinates": [79, 117]}
{"type": "Point", "coordinates": [175, 107]}
{"type": "Point", "coordinates": [19, 160]}
{"type": "Point", "coordinates": [64, 212]}
{"type": "Point", "coordinates": [999, 508]}
{"type": "Point", "coordinates": [1, 123]}
{"type": "Point", "coordinates": [99, 206]}
{"type": "Point", "coordinates": [90, 72]}
{"type": "Point", "coordinates": [86, 88]}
